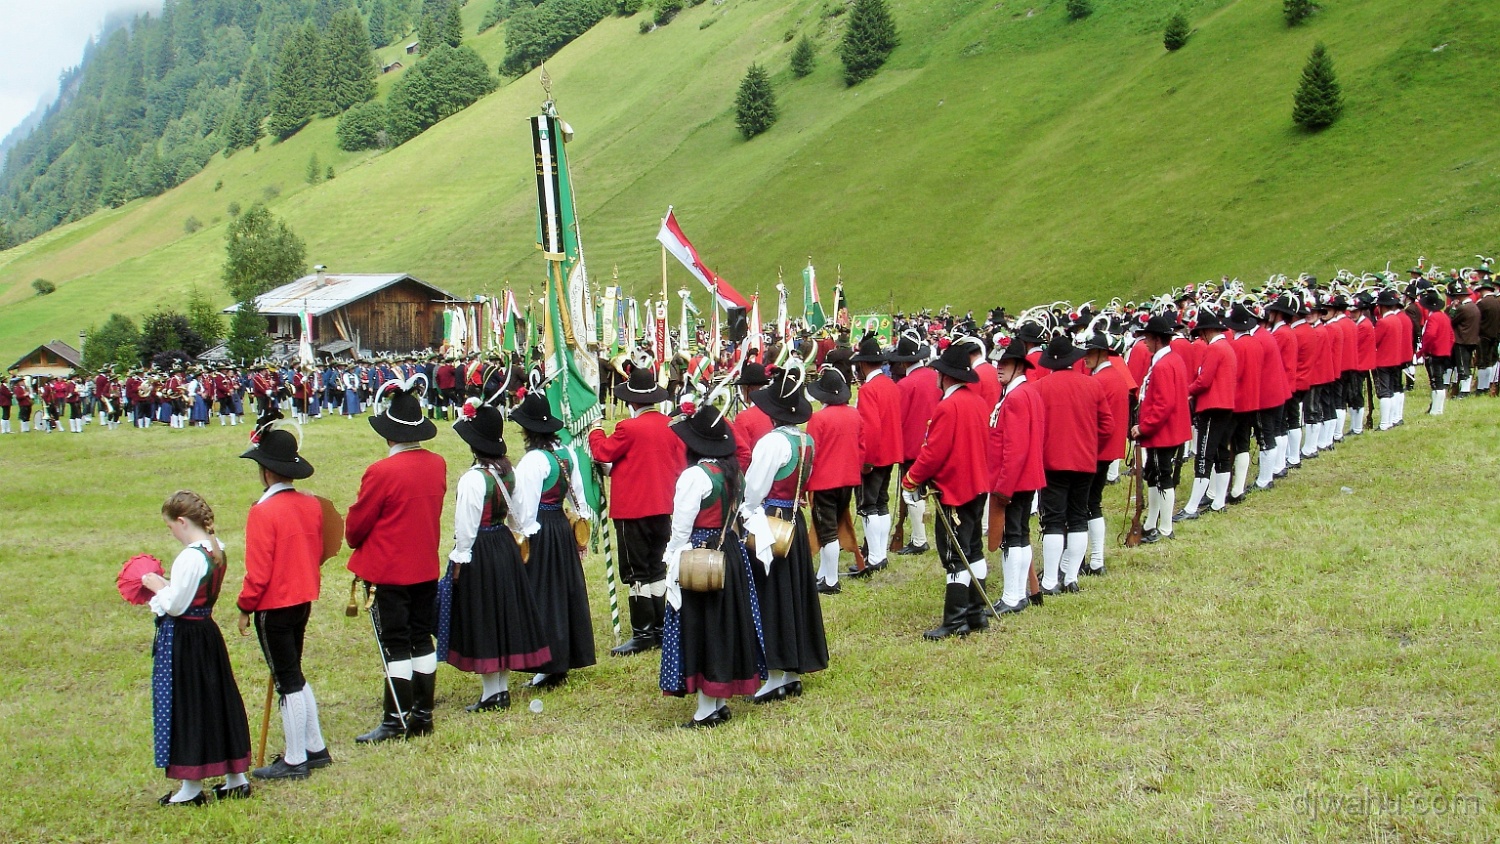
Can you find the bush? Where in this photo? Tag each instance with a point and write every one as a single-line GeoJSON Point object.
{"type": "Point", "coordinates": [1079, 9]}
{"type": "Point", "coordinates": [270, 192]}
{"type": "Point", "coordinates": [234, 209]}
{"type": "Point", "coordinates": [1297, 11]}
{"type": "Point", "coordinates": [533, 35]}
{"type": "Point", "coordinates": [646, 25]}
{"type": "Point", "coordinates": [755, 105]}
{"type": "Point", "coordinates": [626, 8]}
{"type": "Point", "coordinates": [43, 287]}
{"type": "Point", "coordinates": [804, 58]}
{"type": "Point", "coordinates": [1319, 101]}
{"type": "Point", "coordinates": [191, 224]}
{"type": "Point", "coordinates": [328, 174]}
{"type": "Point", "coordinates": [666, 10]}
{"type": "Point", "coordinates": [443, 83]}
{"type": "Point", "coordinates": [116, 341]}
{"type": "Point", "coordinates": [314, 170]}
{"type": "Point", "coordinates": [868, 40]}
{"type": "Point", "coordinates": [364, 127]}
{"type": "Point", "coordinates": [1176, 33]}
{"type": "Point", "coordinates": [218, 186]}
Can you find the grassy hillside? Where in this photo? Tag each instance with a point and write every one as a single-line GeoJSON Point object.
{"type": "Point", "coordinates": [1004, 156]}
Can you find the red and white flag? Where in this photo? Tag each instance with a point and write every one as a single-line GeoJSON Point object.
{"type": "Point", "coordinates": [675, 242]}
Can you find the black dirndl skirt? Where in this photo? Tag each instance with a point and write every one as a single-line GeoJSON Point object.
{"type": "Point", "coordinates": [556, 578]}
{"type": "Point", "coordinates": [210, 735]}
{"type": "Point", "coordinates": [712, 645]}
{"type": "Point", "coordinates": [791, 614]}
{"type": "Point", "coordinates": [492, 624]}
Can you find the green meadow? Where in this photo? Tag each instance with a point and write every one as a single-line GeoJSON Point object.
{"type": "Point", "coordinates": [1003, 156]}
{"type": "Point", "coordinates": [1316, 665]}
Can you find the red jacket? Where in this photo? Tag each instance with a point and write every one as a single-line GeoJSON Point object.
{"type": "Point", "coordinates": [1138, 362]}
{"type": "Point", "coordinates": [447, 376]}
{"type": "Point", "coordinates": [1392, 342]}
{"type": "Point", "coordinates": [920, 395]}
{"type": "Point", "coordinates": [1079, 422]}
{"type": "Point", "coordinates": [1309, 346]}
{"type": "Point", "coordinates": [1015, 442]}
{"type": "Point", "coordinates": [283, 552]}
{"type": "Point", "coordinates": [1286, 343]}
{"type": "Point", "coordinates": [989, 382]}
{"type": "Point", "coordinates": [879, 406]}
{"type": "Point", "coordinates": [749, 425]}
{"type": "Point", "coordinates": [1274, 390]}
{"type": "Point", "coordinates": [838, 448]}
{"type": "Point", "coordinates": [1437, 335]}
{"type": "Point", "coordinates": [1350, 359]}
{"type": "Point", "coordinates": [1164, 418]}
{"type": "Point", "coordinates": [1326, 364]}
{"type": "Point", "coordinates": [1364, 329]}
{"type": "Point", "coordinates": [1247, 359]}
{"type": "Point", "coordinates": [1037, 372]}
{"type": "Point", "coordinates": [953, 456]}
{"type": "Point", "coordinates": [1116, 385]}
{"type": "Point", "coordinates": [647, 459]}
{"type": "Point", "coordinates": [1189, 354]}
{"type": "Point", "coordinates": [1217, 377]}
{"type": "Point", "coordinates": [394, 524]}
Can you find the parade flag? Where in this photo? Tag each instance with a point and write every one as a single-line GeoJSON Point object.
{"type": "Point", "coordinates": [754, 338]}
{"type": "Point", "coordinates": [687, 336]}
{"type": "Point", "coordinates": [812, 306]}
{"type": "Point", "coordinates": [510, 321]}
{"type": "Point", "coordinates": [877, 324]}
{"type": "Point", "coordinates": [840, 304]}
{"type": "Point", "coordinates": [781, 317]}
{"type": "Point", "coordinates": [609, 325]}
{"type": "Point", "coordinates": [675, 242]}
{"type": "Point", "coordinates": [305, 350]}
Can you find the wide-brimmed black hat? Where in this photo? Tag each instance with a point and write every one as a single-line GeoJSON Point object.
{"type": "Point", "coordinates": [1241, 318]}
{"type": "Point", "coordinates": [908, 350]}
{"type": "Point", "coordinates": [1285, 304]}
{"type": "Point", "coordinates": [1161, 325]}
{"type": "Point", "coordinates": [1209, 320]}
{"type": "Point", "coordinates": [1457, 288]}
{"type": "Point", "coordinates": [869, 350]}
{"type": "Point", "coordinates": [784, 399]}
{"type": "Point", "coordinates": [482, 430]}
{"type": "Point", "coordinates": [1364, 301]}
{"type": "Point", "coordinates": [1060, 353]}
{"type": "Point", "coordinates": [830, 388]}
{"type": "Point", "coordinates": [402, 421]}
{"type": "Point", "coordinates": [1337, 302]}
{"type": "Point", "coordinates": [275, 448]}
{"type": "Point", "coordinates": [1015, 353]}
{"type": "Point", "coordinates": [1387, 299]}
{"type": "Point", "coordinates": [706, 432]}
{"type": "Point", "coordinates": [957, 363]}
{"type": "Point", "coordinates": [641, 388]}
{"type": "Point", "coordinates": [1098, 341]}
{"type": "Point", "coordinates": [1031, 332]}
{"type": "Point", "coordinates": [535, 414]}
{"type": "Point", "coordinates": [752, 374]}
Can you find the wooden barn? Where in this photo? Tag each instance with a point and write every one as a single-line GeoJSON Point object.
{"type": "Point", "coordinates": [55, 358]}
{"type": "Point", "coordinates": [359, 312]}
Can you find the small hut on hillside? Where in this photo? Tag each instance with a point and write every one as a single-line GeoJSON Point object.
{"type": "Point", "coordinates": [356, 312]}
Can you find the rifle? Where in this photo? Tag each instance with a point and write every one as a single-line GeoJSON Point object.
{"type": "Point", "coordinates": [848, 541]}
{"type": "Point", "coordinates": [1137, 490]}
{"type": "Point", "coordinates": [898, 533]}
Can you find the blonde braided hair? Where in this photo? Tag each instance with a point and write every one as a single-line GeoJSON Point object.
{"type": "Point", "coordinates": [190, 505]}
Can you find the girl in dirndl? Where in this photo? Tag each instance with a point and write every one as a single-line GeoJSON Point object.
{"type": "Point", "coordinates": [197, 711]}
{"type": "Point", "coordinates": [792, 618]}
{"type": "Point", "coordinates": [711, 641]}
{"type": "Point", "coordinates": [545, 476]}
{"type": "Point", "coordinates": [488, 622]}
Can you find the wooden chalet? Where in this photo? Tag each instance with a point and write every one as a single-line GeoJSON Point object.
{"type": "Point", "coordinates": [356, 313]}
{"type": "Point", "coordinates": [55, 358]}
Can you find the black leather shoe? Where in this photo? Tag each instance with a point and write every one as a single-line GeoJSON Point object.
{"type": "Point", "coordinates": [911, 549]}
{"type": "Point", "coordinates": [239, 792]}
{"type": "Point", "coordinates": [318, 759]}
{"type": "Point", "coordinates": [550, 681]}
{"type": "Point", "coordinates": [1002, 608]}
{"type": "Point", "coordinates": [200, 800]}
{"type": "Point", "coordinates": [1236, 499]}
{"type": "Point", "coordinates": [1151, 537]}
{"type": "Point", "coordinates": [280, 769]}
{"type": "Point", "coordinates": [1056, 590]}
{"type": "Point", "coordinates": [826, 588]}
{"type": "Point", "coordinates": [880, 566]}
{"type": "Point", "coordinates": [793, 689]}
{"type": "Point", "coordinates": [498, 700]}
{"type": "Point", "coordinates": [1184, 516]}
{"type": "Point", "coordinates": [859, 573]}
{"type": "Point", "coordinates": [1036, 600]}
{"type": "Point", "coordinates": [714, 719]}
{"type": "Point", "coordinates": [771, 696]}
{"type": "Point", "coordinates": [1089, 571]}
{"type": "Point", "coordinates": [1279, 475]}
{"type": "Point", "coordinates": [1071, 588]}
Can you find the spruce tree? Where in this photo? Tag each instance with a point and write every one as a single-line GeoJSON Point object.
{"type": "Point", "coordinates": [1079, 9]}
{"type": "Point", "coordinates": [247, 334]}
{"type": "Point", "coordinates": [377, 25]}
{"type": "Point", "coordinates": [1297, 11]}
{"type": "Point", "coordinates": [351, 63]}
{"type": "Point", "coordinates": [292, 94]}
{"type": "Point", "coordinates": [869, 38]}
{"type": "Point", "coordinates": [452, 30]}
{"type": "Point", "coordinates": [755, 105]}
{"type": "Point", "coordinates": [1318, 102]}
{"type": "Point", "coordinates": [1176, 33]}
{"type": "Point", "coordinates": [804, 59]}
{"type": "Point", "coordinates": [261, 253]}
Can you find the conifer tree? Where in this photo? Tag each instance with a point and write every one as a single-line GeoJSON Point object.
{"type": "Point", "coordinates": [379, 37]}
{"type": "Point", "coordinates": [755, 105]}
{"type": "Point", "coordinates": [452, 30]}
{"type": "Point", "coordinates": [804, 59]}
{"type": "Point", "coordinates": [869, 38]}
{"type": "Point", "coordinates": [293, 96]}
{"type": "Point", "coordinates": [351, 63]}
{"type": "Point", "coordinates": [1079, 9]}
{"type": "Point", "coordinates": [1176, 33]}
{"type": "Point", "coordinates": [1319, 101]}
{"type": "Point", "coordinates": [1297, 11]}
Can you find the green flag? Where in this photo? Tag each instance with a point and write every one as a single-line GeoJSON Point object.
{"type": "Point", "coordinates": [812, 306]}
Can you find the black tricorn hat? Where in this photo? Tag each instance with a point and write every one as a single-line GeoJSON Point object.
{"type": "Point", "coordinates": [957, 363]}
{"type": "Point", "coordinates": [1162, 325]}
{"type": "Point", "coordinates": [535, 414]}
{"type": "Point", "coordinates": [830, 388]}
{"type": "Point", "coordinates": [706, 432]}
{"type": "Point", "coordinates": [483, 430]}
{"type": "Point", "coordinates": [275, 448]}
{"type": "Point", "coordinates": [1060, 353]}
{"type": "Point", "coordinates": [869, 350]}
{"type": "Point", "coordinates": [640, 388]}
{"type": "Point", "coordinates": [402, 421]}
{"type": "Point", "coordinates": [752, 374]}
{"type": "Point", "coordinates": [784, 399]}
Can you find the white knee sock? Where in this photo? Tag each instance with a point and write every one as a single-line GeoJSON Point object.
{"type": "Point", "coordinates": [1113, 474]}
{"type": "Point", "coordinates": [314, 728]}
{"type": "Point", "coordinates": [1267, 468]}
{"type": "Point", "coordinates": [235, 780]}
{"type": "Point", "coordinates": [878, 537]}
{"type": "Point", "coordinates": [1357, 420]}
{"type": "Point", "coordinates": [399, 669]}
{"type": "Point", "coordinates": [1218, 490]}
{"type": "Point", "coordinates": [1310, 439]}
{"type": "Point", "coordinates": [828, 563]}
{"type": "Point", "coordinates": [774, 680]}
{"type": "Point", "coordinates": [1072, 558]}
{"type": "Point", "coordinates": [915, 513]}
{"type": "Point", "coordinates": [706, 706]}
{"type": "Point", "coordinates": [189, 790]}
{"type": "Point", "coordinates": [1025, 566]}
{"type": "Point", "coordinates": [1338, 423]}
{"type": "Point", "coordinates": [1153, 507]}
{"type": "Point", "coordinates": [1164, 521]}
{"type": "Point", "coordinates": [294, 727]}
{"type": "Point", "coordinates": [1241, 470]}
{"type": "Point", "coordinates": [1200, 489]}
{"type": "Point", "coordinates": [1052, 552]}
{"type": "Point", "coordinates": [1096, 542]}
{"type": "Point", "coordinates": [1401, 407]}
{"type": "Point", "coordinates": [1013, 569]}
{"type": "Point", "coordinates": [427, 664]}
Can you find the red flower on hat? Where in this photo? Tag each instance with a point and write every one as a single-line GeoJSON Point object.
{"type": "Point", "coordinates": [520, 394]}
{"type": "Point", "coordinates": [1005, 342]}
{"type": "Point", "coordinates": [470, 411]}
{"type": "Point", "coordinates": [688, 408]}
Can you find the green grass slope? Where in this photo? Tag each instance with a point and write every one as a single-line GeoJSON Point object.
{"type": "Point", "coordinates": [1003, 156]}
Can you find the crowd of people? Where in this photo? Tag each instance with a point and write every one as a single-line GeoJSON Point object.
{"type": "Point", "coordinates": [730, 494]}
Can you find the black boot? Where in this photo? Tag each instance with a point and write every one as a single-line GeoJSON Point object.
{"type": "Point", "coordinates": [423, 690]}
{"type": "Point", "coordinates": [391, 727]}
{"type": "Point", "coordinates": [979, 612]}
{"type": "Point", "coordinates": [659, 618]}
{"type": "Point", "coordinates": [642, 627]}
{"type": "Point", "coordinates": [955, 613]}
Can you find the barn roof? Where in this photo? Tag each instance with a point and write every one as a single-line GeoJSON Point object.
{"type": "Point", "coordinates": [335, 292]}
{"type": "Point", "coordinates": [57, 347]}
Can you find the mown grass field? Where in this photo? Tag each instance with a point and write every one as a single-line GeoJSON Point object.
{"type": "Point", "coordinates": [1004, 156]}
{"type": "Point", "coordinates": [1332, 640]}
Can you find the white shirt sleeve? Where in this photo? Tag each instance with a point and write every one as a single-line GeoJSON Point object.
{"type": "Point", "coordinates": [770, 454]}
{"type": "Point", "coordinates": [693, 485]}
{"type": "Point", "coordinates": [531, 473]}
{"type": "Point", "coordinates": [187, 572]}
{"type": "Point", "coordinates": [576, 493]}
{"type": "Point", "coordinates": [468, 508]}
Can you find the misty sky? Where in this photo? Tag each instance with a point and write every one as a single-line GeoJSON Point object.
{"type": "Point", "coordinates": [46, 37]}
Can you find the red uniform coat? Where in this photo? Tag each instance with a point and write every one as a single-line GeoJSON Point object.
{"type": "Point", "coordinates": [394, 524]}
{"type": "Point", "coordinates": [1326, 363]}
{"type": "Point", "coordinates": [838, 448]}
{"type": "Point", "coordinates": [880, 417]}
{"type": "Point", "coordinates": [749, 425]}
{"type": "Point", "coordinates": [1364, 330]}
{"type": "Point", "coordinates": [1164, 418]}
{"type": "Point", "coordinates": [1037, 372]}
{"type": "Point", "coordinates": [1116, 385]}
{"type": "Point", "coordinates": [1138, 361]}
{"type": "Point", "coordinates": [1437, 335]}
{"type": "Point", "coordinates": [989, 382]}
{"type": "Point", "coordinates": [1189, 354]}
{"type": "Point", "coordinates": [1350, 359]}
{"type": "Point", "coordinates": [1079, 421]}
{"type": "Point", "coordinates": [1016, 442]}
{"type": "Point", "coordinates": [1247, 360]}
{"type": "Point", "coordinates": [1274, 390]}
{"type": "Point", "coordinates": [1286, 343]}
{"type": "Point", "coordinates": [283, 552]}
{"type": "Point", "coordinates": [1218, 374]}
{"type": "Point", "coordinates": [1392, 343]}
{"type": "Point", "coordinates": [953, 455]}
{"type": "Point", "coordinates": [447, 377]}
{"type": "Point", "coordinates": [920, 395]}
{"type": "Point", "coordinates": [647, 459]}
{"type": "Point", "coordinates": [1309, 346]}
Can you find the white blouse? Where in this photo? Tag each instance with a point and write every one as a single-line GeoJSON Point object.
{"type": "Point", "coordinates": [468, 509]}
{"type": "Point", "coordinates": [188, 570]}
